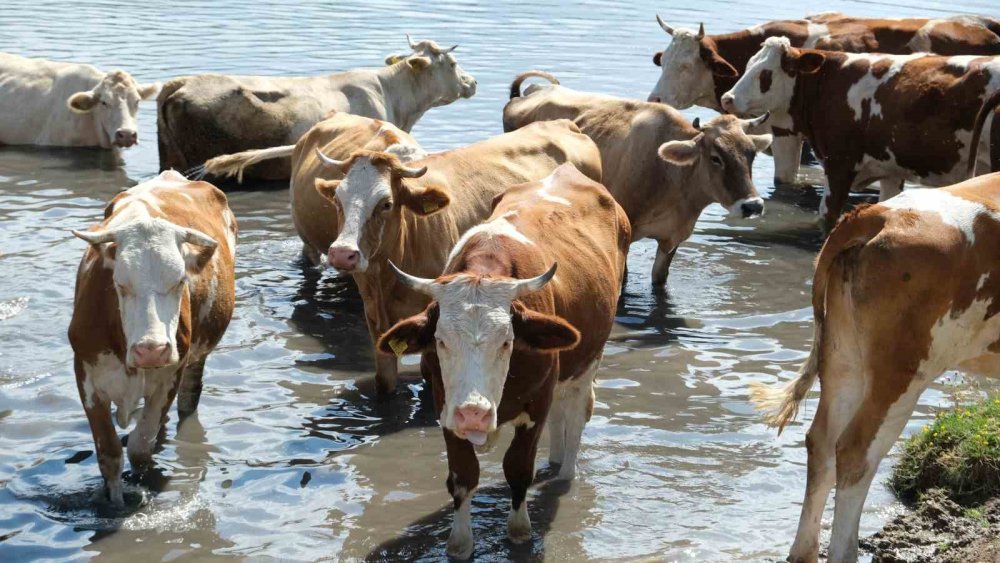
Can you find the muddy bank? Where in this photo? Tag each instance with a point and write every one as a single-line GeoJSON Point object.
{"type": "Point", "coordinates": [939, 530]}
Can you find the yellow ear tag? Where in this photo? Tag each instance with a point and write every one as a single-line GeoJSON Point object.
{"type": "Point", "coordinates": [398, 346]}
{"type": "Point", "coordinates": [430, 207]}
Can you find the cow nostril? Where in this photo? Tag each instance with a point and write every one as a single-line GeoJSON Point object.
{"type": "Point", "coordinates": [752, 209]}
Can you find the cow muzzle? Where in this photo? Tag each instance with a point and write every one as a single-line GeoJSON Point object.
{"type": "Point", "coordinates": [345, 259]}
{"type": "Point", "coordinates": [728, 103]}
{"type": "Point", "coordinates": [748, 207]}
{"type": "Point", "coordinates": [150, 354]}
{"type": "Point", "coordinates": [474, 420]}
{"type": "Point", "coordinates": [125, 138]}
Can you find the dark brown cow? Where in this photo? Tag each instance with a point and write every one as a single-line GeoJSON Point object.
{"type": "Point", "coordinates": [873, 117]}
{"type": "Point", "coordinates": [887, 323]}
{"type": "Point", "coordinates": [413, 213]}
{"type": "Point", "coordinates": [506, 338]}
{"type": "Point", "coordinates": [698, 69]}
{"type": "Point", "coordinates": [154, 295]}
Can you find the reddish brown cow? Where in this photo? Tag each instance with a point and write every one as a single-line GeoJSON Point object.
{"type": "Point", "coordinates": [499, 337]}
{"type": "Point", "coordinates": [154, 295]}
{"type": "Point", "coordinates": [873, 117]}
{"type": "Point", "coordinates": [887, 324]}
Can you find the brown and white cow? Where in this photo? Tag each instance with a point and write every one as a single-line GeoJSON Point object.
{"type": "Point", "coordinates": [509, 339]}
{"type": "Point", "coordinates": [698, 68]}
{"type": "Point", "coordinates": [68, 104]}
{"type": "Point", "coordinates": [662, 196]}
{"type": "Point", "coordinates": [206, 115]}
{"type": "Point", "coordinates": [412, 214]}
{"type": "Point", "coordinates": [336, 137]}
{"type": "Point", "coordinates": [887, 323]}
{"type": "Point", "coordinates": [873, 117]}
{"type": "Point", "coordinates": [154, 295]}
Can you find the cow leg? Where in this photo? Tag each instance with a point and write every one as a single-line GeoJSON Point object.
{"type": "Point", "coordinates": [860, 449]}
{"type": "Point", "coordinates": [142, 439]}
{"type": "Point", "coordinates": [557, 432]}
{"type": "Point", "coordinates": [386, 372]}
{"type": "Point", "coordinates": [107, 444]}
{"type": "Point", "coordinates": [787, 151]}
{"type": "Point", "coordinates": [577, 400]}
{"type": "Point", "coordinates": [311, 254]}
{"type": "Point", "coordinates": [463, 478]}
{"type": "Point", "coordinates": [665, 251]}
{"type": "Point", "coordinates": [889, 187]}
{"type": "Point", "coordinates": [189, 394]}
{"type": "Point", "coordinates": [519, 469]}
{"type": "Point", "coordinates": [835, 196]}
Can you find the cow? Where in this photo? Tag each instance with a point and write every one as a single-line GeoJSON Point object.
{"type": "Point", "coordinates": [206, 115]}
{"type": "Point", "coordinates": [336, 137]}
{"type": "Point", "coordinates": [872, 117]}
{"type": "Point", "coordinates": [698, 68]}
{"type": "Point", "coordinates": [61, 104]}
{"type": "Point", "coordinates": [414, 213]}
{"type": "Point", "coordinates": [887, 323]}
{"type": "Point", "coordinates": [508, 340]}
{"type": "Point", "coordinates": [154, 295]}
{"type": "Point", "coordinates": [662, 196]}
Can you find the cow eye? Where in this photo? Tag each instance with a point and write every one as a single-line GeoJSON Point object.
{"type": "Point", "coordinates": [104, 103]}
{"type": "Point", "coordinates": [441, 344]}
{"type": "Point", "coordinates": [716, 160]}
{"type": "Point", "coordinates": [386, 205]}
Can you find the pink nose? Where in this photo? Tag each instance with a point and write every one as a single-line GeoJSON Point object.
{"type": "Point", "coordinates": [654, 99]}
{"type": "Point", "coordinates": [343, 258]}
{"type": "Point", "coordinates": [472, 419]}
{"type": "Point", "coordinates": [150, 354]}
{"type": "Point", "coordinates": [126, 137]}
{"type": "Point", "coordinates": [727, 102]}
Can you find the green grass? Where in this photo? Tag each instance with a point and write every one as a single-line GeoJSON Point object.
{"type": "Point", "coordinates": [959, 452]}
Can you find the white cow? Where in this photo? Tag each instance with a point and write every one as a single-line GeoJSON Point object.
{"type": "Point", "coordinates": [68, 104]}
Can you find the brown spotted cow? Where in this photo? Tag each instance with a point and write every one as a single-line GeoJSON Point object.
{"type": "Point", "coordinates": [698, 68]}
{"type": "Point", "coordinates": [873, 117]}
{"type": "Point", "coordinates": [663, 196]}
{"type": "Point", "coordinates": [154, 295]}
{"type": "Point", "coordinates": [336, 137]}
{"type": "Point", "coordinates": [509, 340]}
{"type": "Point", "coordinates": [412, 214]}
{"type": "Point", "coordinates": [887, 323]}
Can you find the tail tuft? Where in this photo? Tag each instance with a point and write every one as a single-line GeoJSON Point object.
{"type": "Point", "coordinates": [780, 405]}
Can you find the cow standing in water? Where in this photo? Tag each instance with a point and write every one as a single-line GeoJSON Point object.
{"type": "Point", "coordinates": [154, 295]}
{"type": "Point", "coordinates": [206, 115]}
{"type": "Point", "coordinates": [698, 68]}
{"type": "Point", "coordinates": [61, 104]}
{"type": "Point", "coordinates": [508, 338]}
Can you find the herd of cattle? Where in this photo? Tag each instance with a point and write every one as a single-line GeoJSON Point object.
{"type": "Point", "coordinates": [501, 262]}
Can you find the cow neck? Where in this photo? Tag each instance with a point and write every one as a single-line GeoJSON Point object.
{"type": "Point", "coordinates": [733, 48]}
{"type": "Point", "coordinates": [804, 108]}
{"type": "Point", "coordinates": [402, 92]}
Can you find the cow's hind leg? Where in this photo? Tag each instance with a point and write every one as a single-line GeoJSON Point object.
{"type": "Point", "coordinates": [860, 448]}
{"type": "Point", "coordinates": [142, 439]}
{"type": "Point", "coordinates": [189, 394]}
{"type": "Point", "coordinates": [577, 398]}
{"type": "Point", "coordinates": [463, 478]}
{"type": "Point", "coordinates": [518, 468]}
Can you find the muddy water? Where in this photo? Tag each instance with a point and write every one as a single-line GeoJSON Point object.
{"type": "Point", "coordinates": [289, 455]}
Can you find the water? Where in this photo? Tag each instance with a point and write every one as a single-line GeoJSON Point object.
{"type": "Point", "coordinates": [289, 455]}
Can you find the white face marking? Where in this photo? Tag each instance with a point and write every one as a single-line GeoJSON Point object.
{"type": "Point", "coordinates": [685, 80]}
{"type": "Point", "coordinates": [116, 105]}
{"type": "Point", "coordinates": [362, 194]}
{"type": "Point", "coordinates": [816, 32]}
{"type": "Point", "coordinates": [747, 97]}
{"type": "Point", "coordinates": [545, 192]}
{"type": "Point", "coordinates": [499, 227]}
{"type": "Point", "coordinates": [954, 211]}
{"type": "Point", "coordinates": [866, 87]}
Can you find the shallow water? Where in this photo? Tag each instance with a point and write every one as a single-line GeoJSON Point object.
{"type": "Point", "coordinates": [289, 455]}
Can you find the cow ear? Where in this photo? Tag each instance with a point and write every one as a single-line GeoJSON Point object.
{"type": "Point", "coordinates": [496, 201]}
{"type": "Point", "coordinates": [681, 153]}
{"type": "Point", "coordinates": [418, 63]}
{"type": "Point", "coordinates": [422, 200]}
{"type": "Point", "coordinates": [761, 142]}
{"type": "Point", "coordinates": [721, 67]}
{"type": "Point", "coordinates": [393, 59]}
{"type": "Point", "coordinates": [327, 188]}
{"type": "Point", "coordinates": [82, 102]}
{"type": "Point", "coordinates": [808, 63]}
{"type": "Point", "coordinates": [148, 91]}
{"type": "Point", "coordinates": [658, 58]}
{"type": "Point", "coordinates": [541, 332]}
{"type": "Point", "coordinates": [413, 335]}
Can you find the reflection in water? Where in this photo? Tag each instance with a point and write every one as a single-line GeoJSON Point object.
{"type": "Point", "coordinates": [290, 455]}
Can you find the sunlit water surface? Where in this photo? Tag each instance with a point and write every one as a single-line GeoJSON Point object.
{"type": "Point", "coordinates": [290, 456]}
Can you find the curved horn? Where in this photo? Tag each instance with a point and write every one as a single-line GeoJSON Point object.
{"type": "Point", "coordinates": [422, 285]}
{"type": "Point", "coordinates": [410, 42]}
{"type": "Point", "coordinates": [96, 237]}
{"type": "Point", "coordinates": [531, 285]}
{"type": "Point", "coordinates": [449, 49]}
{"type": "Point", "coordinates": [408, 172]}
{"type": "Point", "coordinates": [749, 123]}
{"type": "Point", "coordinates": [701, 31]}
{"type": "Point", "coordinates": [327, 161]}
{"type": "Point", "coordinates": [667, 28]}
{"type": "Point", "coordinates": [197, 238]}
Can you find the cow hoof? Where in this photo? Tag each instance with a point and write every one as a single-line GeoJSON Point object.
{"type": "Point", "coordinates": [460, 544]}
{"type": "Point", "coordinates": [567, 472]}
{"type": "Point", "coordinates": [115, 495]}
{"type": "Point", "coordinates": [519, 525]}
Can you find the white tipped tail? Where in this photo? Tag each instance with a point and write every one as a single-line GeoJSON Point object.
{"type": "Point", "coordinates": [781, 404]}
{"type": "Point", "coordinates": [229, 165]}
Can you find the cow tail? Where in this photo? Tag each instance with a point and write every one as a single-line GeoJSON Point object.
{"type": "Point", "coordinates": [985, 110]}
{"type": "Point", "coordinates": [781, 404]}
{"type": "Point", "coordinates": [515, 87]}
{"type": "Point", "coordinates": [229, 165]}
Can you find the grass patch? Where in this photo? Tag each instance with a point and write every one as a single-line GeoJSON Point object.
{"type": "Point", "coordinates": [959, 452]}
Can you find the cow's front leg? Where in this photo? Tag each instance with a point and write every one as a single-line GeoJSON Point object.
{"type": "Point", "coordinates": [787, 151]}
{"type": "Point", "coordinates": [142, 439]}
{"type": "Point", "coordinates": [386, 372]}
{"type": "Point", "coordinates": [665, 251]}
{"type": "Point", "coordinates": [189, 394]}
{"type": "Point", "coordinates": [519, 469]}
{"type": "Point", "coordinates": [106, 442]}
{"type": "Point", "coordinates": [463, 478]}
{"type": "Point", "coordinates": [840, 180]}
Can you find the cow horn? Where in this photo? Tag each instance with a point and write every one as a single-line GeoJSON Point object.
{"type": "Point", "coordinates": [531, 285]}
{"type": "Point", "coordinates": [197, 238]}
{"type": "Point", "coordinates": [696, 123]}
{"type": "Point", "coordinates": [749, 123]}
{"type": "Point", "coordinates": [327, 161]}
{"type": "Point", "coordinates": [96, 237]}
{"type": "Point", "coordinates": [408, 172]}
{"type": "Point", "coordinates": [701, 31]}
{"type": "Point", "coordinates": [422, 285]}
{"type": "Point", "coordinates": [449, 49]}
{"type": "Point", "coordinates": [411, 43]}
{"type": "Point", "coordinates": [667, 28]}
